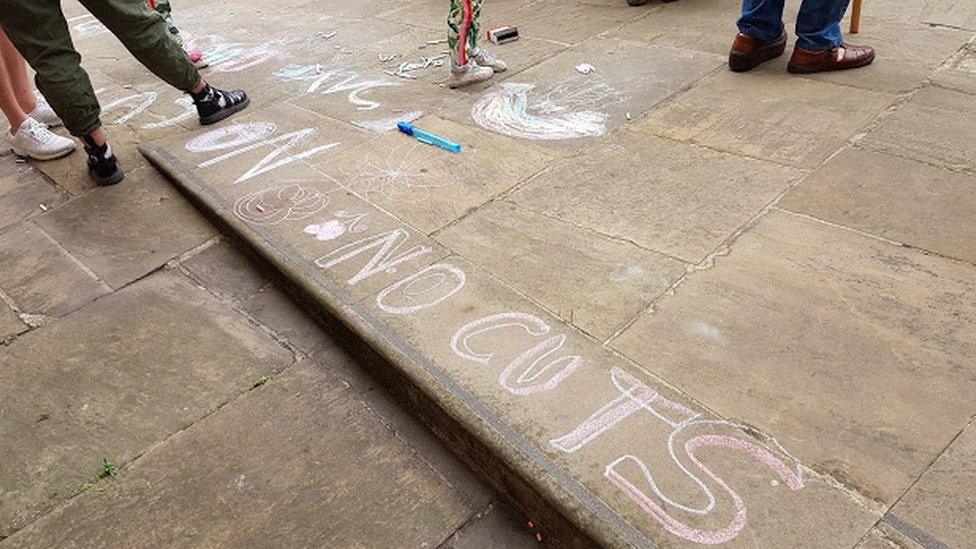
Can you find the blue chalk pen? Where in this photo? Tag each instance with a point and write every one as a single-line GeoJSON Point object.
{"type": "Point", "coordinates": [428, 138]}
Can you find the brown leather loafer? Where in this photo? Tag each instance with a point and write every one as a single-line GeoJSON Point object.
{"type": "Point", "coordinates": [806, 61]}
{"type": "Point", "coordinates": [748, 52]}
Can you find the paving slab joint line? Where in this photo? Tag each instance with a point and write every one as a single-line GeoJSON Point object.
{"type": "Point", "coordinates": [879, 238]}
{"type": "Point", "coordinates": [501, 196]}
{"type": "Point", "coordinates": [234, 305]}
{"type": "Point", "coordinates": [94, 483]}
{"type": "Point", "coordinates": [881, 520]}
{"type": "Point", "coordinates": [935, 84]}
{"type": "Point", "coordinates": [723, 249]}
{"type": "Point", "coordinates": [519, 472]}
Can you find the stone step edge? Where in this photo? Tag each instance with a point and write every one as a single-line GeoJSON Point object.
{"type": "Point", "coordinates": [519, 482]}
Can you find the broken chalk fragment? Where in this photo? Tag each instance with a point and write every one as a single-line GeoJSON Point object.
{"type": "Point", "coordinates": [585, 68]}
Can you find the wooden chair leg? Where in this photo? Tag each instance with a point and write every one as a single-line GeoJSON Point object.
{"type": "Point", "coordinates": [856, 17]}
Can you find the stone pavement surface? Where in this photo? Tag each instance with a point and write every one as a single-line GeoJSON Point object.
{"type": "Point", "coordinates": [657, 304]}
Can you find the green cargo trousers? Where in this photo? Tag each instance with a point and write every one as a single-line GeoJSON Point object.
{"type": "Point", "coordinates": [39, 31]}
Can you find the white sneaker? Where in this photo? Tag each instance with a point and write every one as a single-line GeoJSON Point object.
{"type": "Point", "coordinates": [34, 140]}
{"type": "Point", "coordinates": [485, 58]}
{"type": "Point", "coordinates": [469, 74]}
{"type": "Point", "coordinates": [43, 113]}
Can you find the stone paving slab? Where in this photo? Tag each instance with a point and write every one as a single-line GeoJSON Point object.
{"type": "Point", "coordinates": [918, 204]}
{"type": "Point", "coordinates": [493, 529]}
{"type": "Point", "coordinates": [111, 380]}
{"type": "Point", "coordinates": [348, 368]}
{"type": "Point", "coordinates": [445, 332]}
{"type": "Point", "coordinates": [678, 199]}
{"type": "Point", "coordinates": [222, 269]}
{"type": "Point", "coordinates": [10, 323]}
{"type": "Point", "coordinates": [793, 121]}
{"type": "Point", "coordinates": [40, 277]}
{"type": "Point", "coordinates": [856, 353]}
{"type": "Point", "coordinates": [959, 73]}
{"type": "Point", "coordinates": [25, 193]}
{"type": "Point", "coordinates": [941, 507]}
{"type": "Point", "coordinates": [936, 126]}
{"type": "Point", "coordinates": [124, 232]}
{"type": "Point", "coordinates": [428, 187]}
{"type": "Point", "coordinates": [272, 461]}
{"type": "Point", "coordinates": [948, 13]}
{"type": "Point", "coordinates": [272, 308]}
{"type": "Point", "coordinates": [596, 282]}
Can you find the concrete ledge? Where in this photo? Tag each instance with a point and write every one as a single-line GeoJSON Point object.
{"type": "Point", "coordinates": [586, 444]}
{"type": "Point", "coordinates": [479, 438]}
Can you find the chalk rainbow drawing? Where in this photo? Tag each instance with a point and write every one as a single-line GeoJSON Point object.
{"type": "Point", "coordinates": [568, 110]}
{"type": "Point", "coordinates": [396, 174]}
{"type": "Point", "coordinates": [278, 204]}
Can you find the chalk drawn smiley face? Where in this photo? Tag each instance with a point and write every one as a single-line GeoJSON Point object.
{"type": "Point", "coordinates": [278, 204]}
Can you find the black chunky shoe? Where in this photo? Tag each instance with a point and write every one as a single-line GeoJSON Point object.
{"type": "Point", "coordinates": [102, 164]}
{"type": "Point", "coordinates": [214, 105]}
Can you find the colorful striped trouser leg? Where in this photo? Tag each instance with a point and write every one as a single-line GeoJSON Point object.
{"type": "Point", "coordinates": [463, 30]}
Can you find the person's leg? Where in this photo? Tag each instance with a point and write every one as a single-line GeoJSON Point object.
{"type": "Point", "coordinates": [11, 107]}
{"type": "Point", "coordinates": [28, 137]}
{"type": "Point", "coordinates": [16, 67]}
{"type": "Point", "coordinates": [40, 33]}
{"type": "Point", "coordinates": [481, 56]}
{"type": "Point", "coordinates": [761, 35]}
{"type": "Point", "coordinates": [143, 32]}
{"type": "Point", "coordinates": [818, 24]}
{"type": "Point", "coordinates": [462, 39]}
{"type": "Point", "coordinates": [820, 41]}
{"type": "Point", "coordinates": [762, 19]}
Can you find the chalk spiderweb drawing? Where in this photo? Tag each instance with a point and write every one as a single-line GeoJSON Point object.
{"type": "Point", "coordinates": [277, 204]}
{"type": "Point", "coordinates": [570, 109]}
{"type": "Point", "coordinates": [402, 171]}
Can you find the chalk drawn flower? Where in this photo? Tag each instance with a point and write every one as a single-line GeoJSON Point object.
{"type": "Point", "coordinates": [404, 170]}
{"type": "Point", "coordinates": [330, 230]}
{"type": "Point", "coordinates": [277, 204]}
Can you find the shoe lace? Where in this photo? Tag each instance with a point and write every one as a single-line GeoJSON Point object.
{"type": "Point", "coordinates": [38, 132]}
{"type": "Point", "coordinates": [486, 56]}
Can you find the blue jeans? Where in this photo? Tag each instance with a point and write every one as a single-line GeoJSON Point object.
{"type": "Point", "coordinates": [817, 25]}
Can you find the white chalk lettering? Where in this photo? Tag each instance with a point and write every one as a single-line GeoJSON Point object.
{"type": "Point", "coordinates": [422, 290]}
{"type": "Point", "coordinates": [386, 259]}
{"type": "Point", "coordinates": [245, 136]}
{"type": "Point", "coordinates": [529, 367]}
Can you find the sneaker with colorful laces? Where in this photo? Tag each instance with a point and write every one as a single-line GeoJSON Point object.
{"type": "Point", "coordinates": [485, 58]}
{"type": "Point", "coordinates": [33, 140]}
{"type": "Point", "coordinates": [214, 105]}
